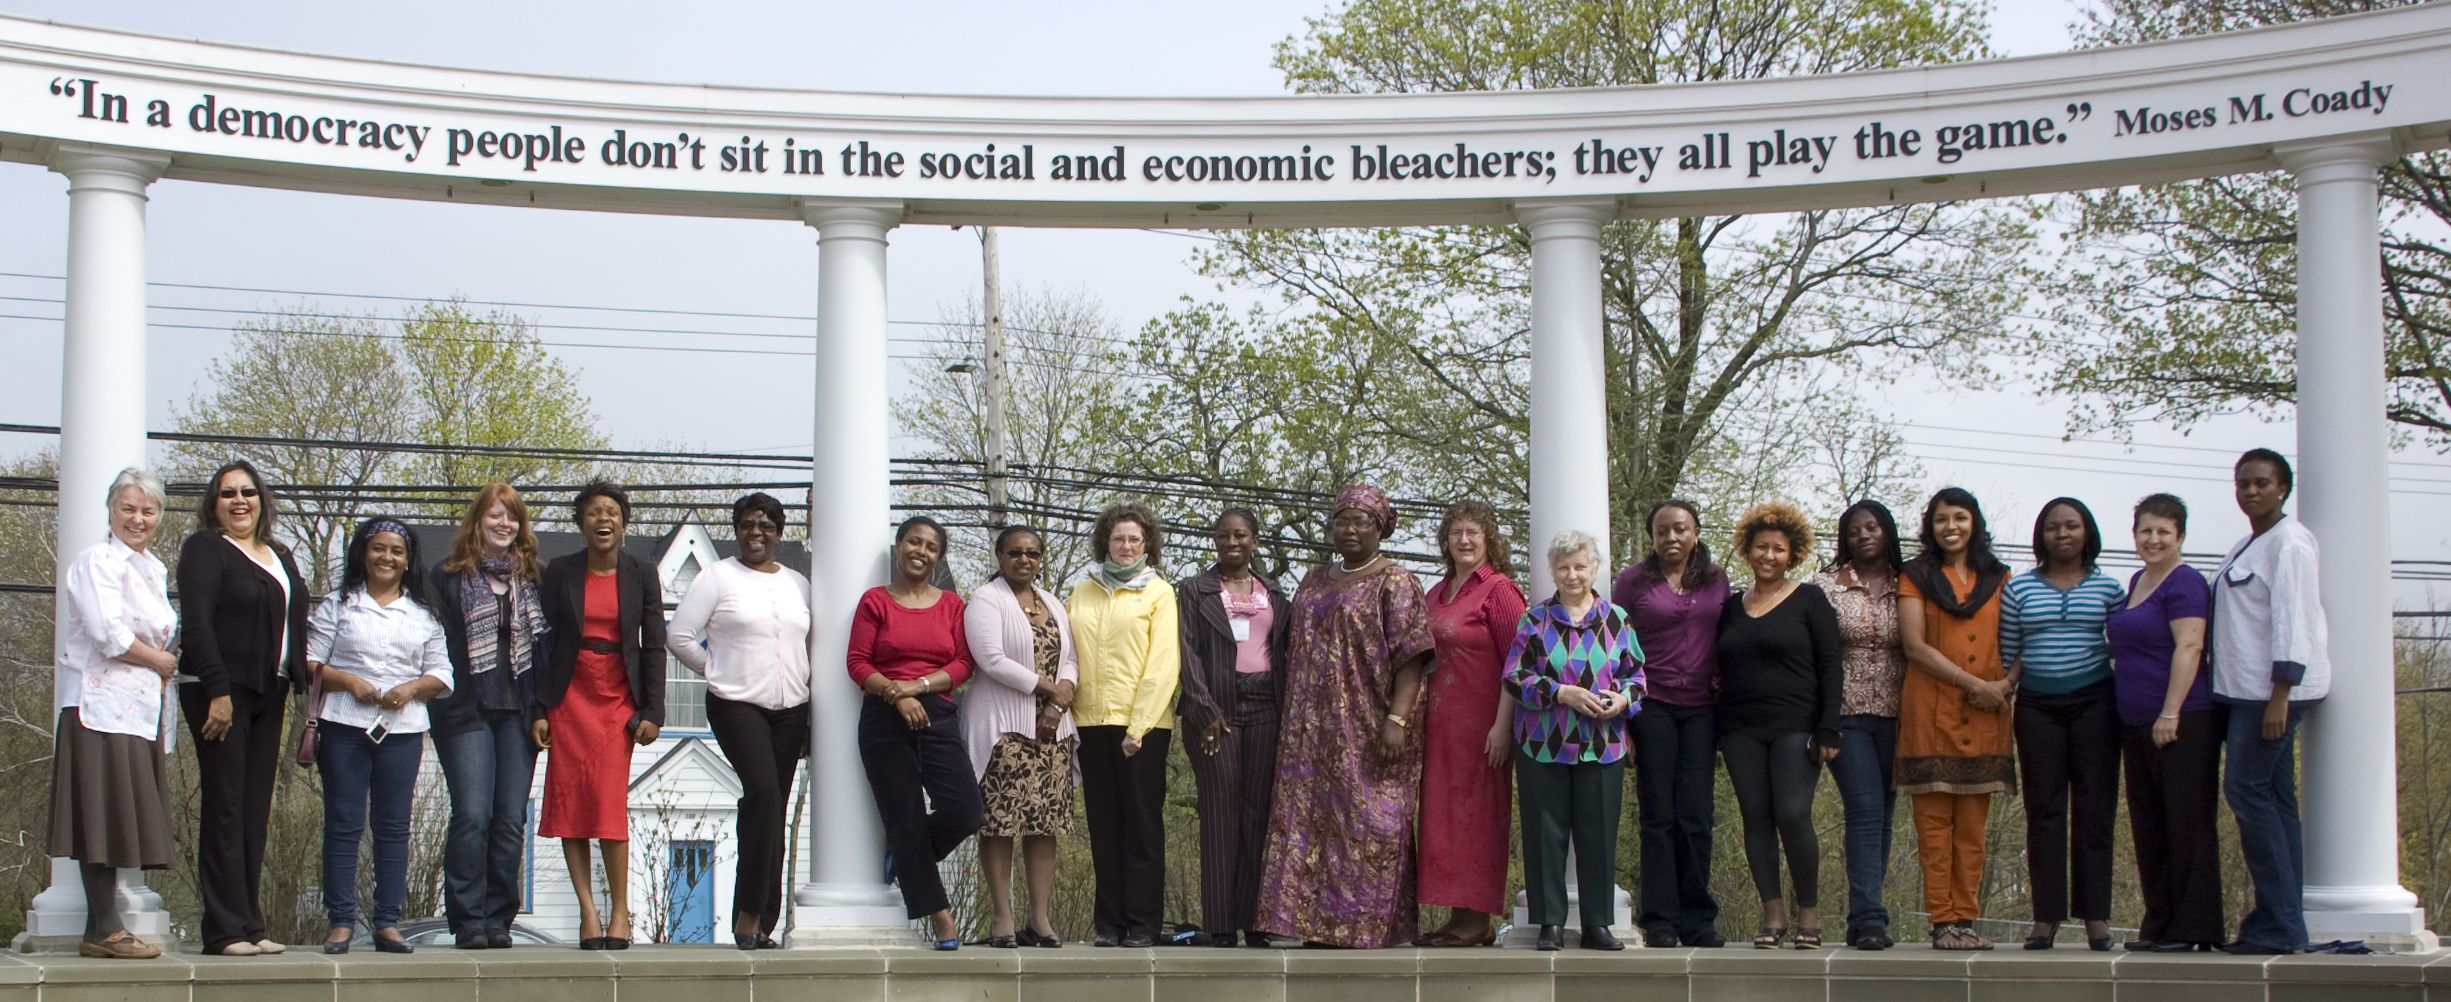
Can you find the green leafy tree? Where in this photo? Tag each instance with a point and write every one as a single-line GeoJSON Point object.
{"type": "Point", "coordinates": [1713, 323]}
{"type": "Point", "coordinates": [487, 380]}
{"type": "Point", "coordinates": [2184, 296]}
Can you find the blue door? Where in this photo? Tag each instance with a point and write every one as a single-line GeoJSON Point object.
{"type": "Point", "coordinates": [690, 884]}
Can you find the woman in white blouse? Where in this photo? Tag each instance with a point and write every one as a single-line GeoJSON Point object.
{"type": "Point", "coordinates": [110, 802]}
{"type": "Point", "coordinates": [1017, 723]}
{"type": "Point", "coordinates": [745, 626]}
{"type": "Point", "coordinates": [377, 652]}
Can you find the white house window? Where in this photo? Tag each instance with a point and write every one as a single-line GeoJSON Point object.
{"type": "Point", "coordinates": [684, 697]}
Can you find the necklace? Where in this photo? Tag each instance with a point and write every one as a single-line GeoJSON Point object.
{"type": "Point", "coordinates": [1338, 568]}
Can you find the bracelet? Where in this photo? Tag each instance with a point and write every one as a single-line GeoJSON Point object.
{"type": "Point", "coordinates": [1397, 720]}
{"type": "Point", "coordinates": [2167, 716]}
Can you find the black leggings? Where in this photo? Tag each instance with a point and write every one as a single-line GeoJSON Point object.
{"type": "Point", "coordinates": [1774, 774]}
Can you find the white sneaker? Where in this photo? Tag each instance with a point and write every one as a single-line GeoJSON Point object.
{"type": "Point", "coordinates": [240, 950]}
{"type": "Point", "coordinates": [270, 946]}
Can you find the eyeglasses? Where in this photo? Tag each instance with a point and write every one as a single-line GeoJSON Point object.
{"type": "Point", "coordinates": [1025, 554]}
{"type": "Point", "coordinates": [1356, 521]}
{"type": "Point", "coordinates": [239, 492]}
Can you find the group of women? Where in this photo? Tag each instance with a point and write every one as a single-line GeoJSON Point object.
{"type": "Point", "coordinates": [1355, 743]}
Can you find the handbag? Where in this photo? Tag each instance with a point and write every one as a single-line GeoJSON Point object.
{"type": "Point", "coordinates": [311, 733]}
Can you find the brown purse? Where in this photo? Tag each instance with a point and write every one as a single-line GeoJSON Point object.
{"type": "Point", "coordinates": [311, 733]}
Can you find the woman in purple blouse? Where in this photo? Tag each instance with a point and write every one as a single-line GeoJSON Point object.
{"type": "Point", "coordinates": [1673, 598]}
{"type": "Point", "coordinates": [2171, 739]}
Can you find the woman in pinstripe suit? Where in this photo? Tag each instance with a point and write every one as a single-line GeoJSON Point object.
{"type": "Point", "coordinates": [1234, 627]}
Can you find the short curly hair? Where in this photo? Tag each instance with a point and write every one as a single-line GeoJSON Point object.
{"type": "Point", "coordinates": [1776, 516]}
{"type": "Point", "coordinates": [1151, 530]}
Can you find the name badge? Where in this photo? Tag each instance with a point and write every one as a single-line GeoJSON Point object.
{"type": "Point", "coordinates": [1242, 630]}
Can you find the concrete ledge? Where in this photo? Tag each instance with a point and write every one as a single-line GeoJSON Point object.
{"type": "Point", "coordinates": [1084, 974]}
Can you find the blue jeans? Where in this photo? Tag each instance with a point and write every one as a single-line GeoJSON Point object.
{"type": "Point", "coordinates": [2261, 780]}
{"type": "Point", "coordinates": [489, 770]}
{"type": "Point", "coordinates": [1866, 746]}
{"type": "Point", "coordinates": [366, 785]}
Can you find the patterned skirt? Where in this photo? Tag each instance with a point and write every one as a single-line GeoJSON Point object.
{"type": "Point", "coordinates": [1028, 788]}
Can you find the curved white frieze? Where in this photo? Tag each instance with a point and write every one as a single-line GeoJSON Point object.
{"type": "Point", "coordinates": [2086, 119]}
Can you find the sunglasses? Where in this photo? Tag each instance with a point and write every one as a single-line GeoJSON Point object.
{"type": "Point", "coordinates": [239, 492]}
{"type": "Point", "coordinates": [1025, 554]}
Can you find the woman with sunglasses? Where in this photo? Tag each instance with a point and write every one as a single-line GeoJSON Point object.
{"type": "Point", "coordinates": [744, 626]}
{"type": "Point", "coordinates": [1017, 723]}
{"type": "Point", "coordinates": [243, 606]}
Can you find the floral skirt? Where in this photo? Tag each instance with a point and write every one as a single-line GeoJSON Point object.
{"type": "Point", "coordinates": [1028, 787]}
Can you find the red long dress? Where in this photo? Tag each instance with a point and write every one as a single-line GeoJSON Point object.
{"type": "Point", "coordinates": [587, 772]}
{"type": "Point", "coordinates": [1465, 802]}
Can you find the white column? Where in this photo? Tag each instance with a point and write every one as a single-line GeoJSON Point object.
{"type": "Point", "coordinates": [102, 430]}
{"type": "Point", "coordinates": [1569, 432]}
{"type": "Point", "coordinates": [1569, 380]}
{"type": "Point", "coordinates": [847, 900]}
{"type": "Point", "coordinates": [2351, 798]}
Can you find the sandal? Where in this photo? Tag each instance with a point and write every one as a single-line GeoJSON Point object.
{"type": "Point", "coordinates": [1769, 938]}
{"type": "Point", "coordinates": [1808, 938]}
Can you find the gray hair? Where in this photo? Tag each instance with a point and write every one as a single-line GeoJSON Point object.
{"type": "Point", "coordinates": [1571, 542]}
{"type": "Point", "coordinates": [145, 483]}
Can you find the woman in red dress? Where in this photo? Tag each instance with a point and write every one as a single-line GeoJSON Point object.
{"type": "Point", "coordinates": [600, 694]}
{"type": "Point", "coordinates": [1465, 779]}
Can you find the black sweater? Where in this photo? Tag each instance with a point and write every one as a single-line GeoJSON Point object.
{"type": "Point", "coordinates": [235, 631]}
{"type": "Point", "coordinates": [1781, 671]}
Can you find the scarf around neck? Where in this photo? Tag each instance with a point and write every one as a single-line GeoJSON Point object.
{"type": "Point", "coordinates": [1117, 576]}
{"type": "Point", "coordinates": [484, 618]}
{"type": "Point", "coordinates": [1925, 571]}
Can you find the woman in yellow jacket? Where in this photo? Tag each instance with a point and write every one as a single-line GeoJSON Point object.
{"type": "Point", "coordinates": [1124, 628]}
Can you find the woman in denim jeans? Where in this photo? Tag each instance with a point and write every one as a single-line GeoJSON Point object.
{"type": "Point", "coordinates": [378, 653]}
{"type": "Point", "coordinates": [1862, 582]}
{"type": "Point", "coordinates": [485, 594]}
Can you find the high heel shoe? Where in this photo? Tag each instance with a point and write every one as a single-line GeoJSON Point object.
{"type": "Point", "coordinates": [395, 944]}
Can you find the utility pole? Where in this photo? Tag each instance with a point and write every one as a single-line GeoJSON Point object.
{"type": "Point", "coordinates": [993, 307]}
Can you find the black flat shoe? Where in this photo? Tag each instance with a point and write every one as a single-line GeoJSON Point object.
{"type": "Point", "coordinates": [1552, 938]}
{"type": "Point", "coordinates": [1003, 942]}
{"type": "Point", "coordinates": [1139, 940]}
{"type": "Point", "coordinates": [1597, 937]}
{"type": "Point", "coordinates": [336, 949]}
{"type": "Point", "coordinates": [1869, 939]}
{"type": "Point", "coordinates": [2040, 942]}
{"type": "Point", "coordinates": [592, 943]}
{"type": "Point", "coordinates": [2099, 944]}
{"type": "Point", "coordinates": [1105, 939]}
{"type": "Point", "coordinates": [477, 942]}
{"type": "Point", "coordinates": [1708, 939]}
{"type": "Point", "coordinates": [1659, 938]}
{"type": "Point", "coordinates": [498, 939]}
{"type": "Point", "coordinates": [744, 940]}
{"type": "Point", "coordinates": [395, 945]}
{"type": "Point", "coordinates": [616, 942]}
{"type": "Point", "coordinates": [1224, 939]}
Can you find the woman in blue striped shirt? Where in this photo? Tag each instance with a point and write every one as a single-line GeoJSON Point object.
{"type": "Point", "coordinates": [2066, 719]}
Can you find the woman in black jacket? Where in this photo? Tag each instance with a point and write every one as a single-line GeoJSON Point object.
{"type": "Point", "coordinates": [599, 693]}
{"type": "Point", "coordinates": [1234, 626]}
{"type": "Point", "coordinates": [243, 617]}
{"type": "Point", "coordinates": [485, 592]}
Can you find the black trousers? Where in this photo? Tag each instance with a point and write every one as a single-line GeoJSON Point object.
{"type": "Point", "coordinates": [1124, 798]}
{"type": "Point", "coordinates": [2174, 802]}
{"type": "Point", "coordinates": [1237, 785]}
{"type": "Point", "coordinates": [1582, 800]}
{"type": "Point", "coordinates": [926, 794]}
{"type": "Point", "coordinates": [1774, 774]}
{"type": "Point", "coordinates": [2068, 765]}
{"type": "Point", "coordinates": [764, 747]}
{"type": "Point", "coordinates": [234, 779]}
{"type": "Point", "coordinates": [1675, 751]}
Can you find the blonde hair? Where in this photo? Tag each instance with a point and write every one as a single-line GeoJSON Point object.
{"type": "Point", "coordinates": [1780, 517]}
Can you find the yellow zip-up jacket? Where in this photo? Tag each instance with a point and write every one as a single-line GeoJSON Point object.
{"type": "Point", "coordinates": [1131, 654]}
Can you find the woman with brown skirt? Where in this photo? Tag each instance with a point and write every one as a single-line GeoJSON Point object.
{"type": "Point", "coordinates": [110, 800]}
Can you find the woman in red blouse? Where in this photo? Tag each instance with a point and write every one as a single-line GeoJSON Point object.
{"type": "Point", "coordinates": [1465, 784]}
{"type": "Point", "coordinates": [908, 655]}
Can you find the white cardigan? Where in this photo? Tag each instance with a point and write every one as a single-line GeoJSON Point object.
{"type": "Point", "coordinates": [1000, 699]}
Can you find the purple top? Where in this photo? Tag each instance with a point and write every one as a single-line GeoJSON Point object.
{"type": "Point", "coordinates": [1680, 633]}
{"type": "Point", "coordinates": [2141, 645]}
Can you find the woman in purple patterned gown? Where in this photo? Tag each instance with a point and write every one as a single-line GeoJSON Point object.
{"type": "Point", "coordinates": [1339, 865]}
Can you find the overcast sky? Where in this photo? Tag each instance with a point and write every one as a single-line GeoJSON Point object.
{"type": "Point", "coordinates": [327, 246]}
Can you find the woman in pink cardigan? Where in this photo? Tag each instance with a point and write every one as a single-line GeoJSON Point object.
{"type": "Point", "coordinates": [1017, 721]}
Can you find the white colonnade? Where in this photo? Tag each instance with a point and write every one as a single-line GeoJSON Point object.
{"type": "Point", "coordinates": [2350, 785]}
{"type": "Point", "coordinates": [846, 900]}
{"type": "Point", "coordinates": [102, 431]}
